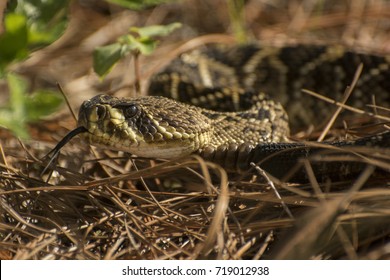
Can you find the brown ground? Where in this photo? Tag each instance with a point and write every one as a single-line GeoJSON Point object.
{"type": "Point", "coordinates": [98, 204]}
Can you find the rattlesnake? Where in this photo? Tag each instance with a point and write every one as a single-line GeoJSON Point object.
{"type": "Point", "coordinates": [243, 101]}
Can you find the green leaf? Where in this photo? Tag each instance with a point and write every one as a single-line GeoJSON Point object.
{"type": "Point", "coordinates": [13, 42]}
{"type": "Point", "coordinates": [8, 121]}
{"type": "Point", "coordinates": [42, 103]}
{"type": "Point", "coordinates": [13, 116]}
{"type": "Point", "coordinates": [104, 58]}
{"type": "Point", "coordinates": [29, 24]}
{"type": "Point", "coordinates": [23, 108]}
{"type": "Point", "coordinates": [145, 45]}
{"type": "Point", "coordinates": [156, 30]}
{"type": "Point", "coordinates": [17, 87]}
{"type": "Point", "coordinates": [138, 4]}
{"type": "Point", "coordinates": [39, 37]}
{"type": "Point", "coordinates": [46, 19]}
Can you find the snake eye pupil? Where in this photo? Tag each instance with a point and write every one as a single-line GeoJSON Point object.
{"type": "Point", "coordinates": [131, 111]}
{"type": "Point", "coordinates": [100, 112]}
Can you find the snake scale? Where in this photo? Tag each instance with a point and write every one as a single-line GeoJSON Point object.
{"type": "Point", "coordinates": [237, 105]}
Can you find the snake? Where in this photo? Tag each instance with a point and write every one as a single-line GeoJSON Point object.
{"type": "Point", "coordinates": [236, 105]}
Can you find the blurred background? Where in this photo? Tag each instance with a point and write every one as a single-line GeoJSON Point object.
{"type": "Point", "coordinates": [78, 27]}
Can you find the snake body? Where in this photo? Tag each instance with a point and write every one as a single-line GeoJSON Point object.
{"type": "Point", "coordinates": [229, 118]}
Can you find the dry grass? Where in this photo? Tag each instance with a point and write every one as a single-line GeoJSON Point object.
{"type": "Point", "coordinates": [97, 204]}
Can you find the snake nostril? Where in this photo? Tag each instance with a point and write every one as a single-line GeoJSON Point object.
{"type": "Point", "coordinates": [100, 111]}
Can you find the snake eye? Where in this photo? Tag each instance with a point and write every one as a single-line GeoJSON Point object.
{"type": "Point", "coordinates": [130, 111]}
{"type": "Point", "coordinates": [100, 112]}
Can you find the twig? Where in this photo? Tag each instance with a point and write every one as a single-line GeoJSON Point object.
{"type": "Point", "coordinates": [346, 95]}
{"type": "Point", "coordinates": [137, 84]}
{"type": "Point", "coordinates": [313, 181]}
{"type": "Point", "coordinates": [344, 106]}
{"type": "Point", "coordinates": [263, 247]}
{"type": "Point", "coordinates": [271, 184]}
{"type": "Point", "coordinates": [3, 156]}
{"type": "Point", "coordinates": [67, 102]}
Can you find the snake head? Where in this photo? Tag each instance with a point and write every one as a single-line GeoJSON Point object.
{"type": "Point", "coordinates": [148, 126]}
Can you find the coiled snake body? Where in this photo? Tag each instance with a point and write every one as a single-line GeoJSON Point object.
{"type": "Point", "coordinates": [231, 120]}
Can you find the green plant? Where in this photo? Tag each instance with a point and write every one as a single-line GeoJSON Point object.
{"type": "Point", "coordinates": [237, 19]}
{"type": "Point", "coordinates": [23, 107]}
{"type": "Point", "coordinates": [28, 25]}
{"type": "Point", "coordinates": [140, 40]}
{"type": "Point", "coordinates": [137, 4]}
